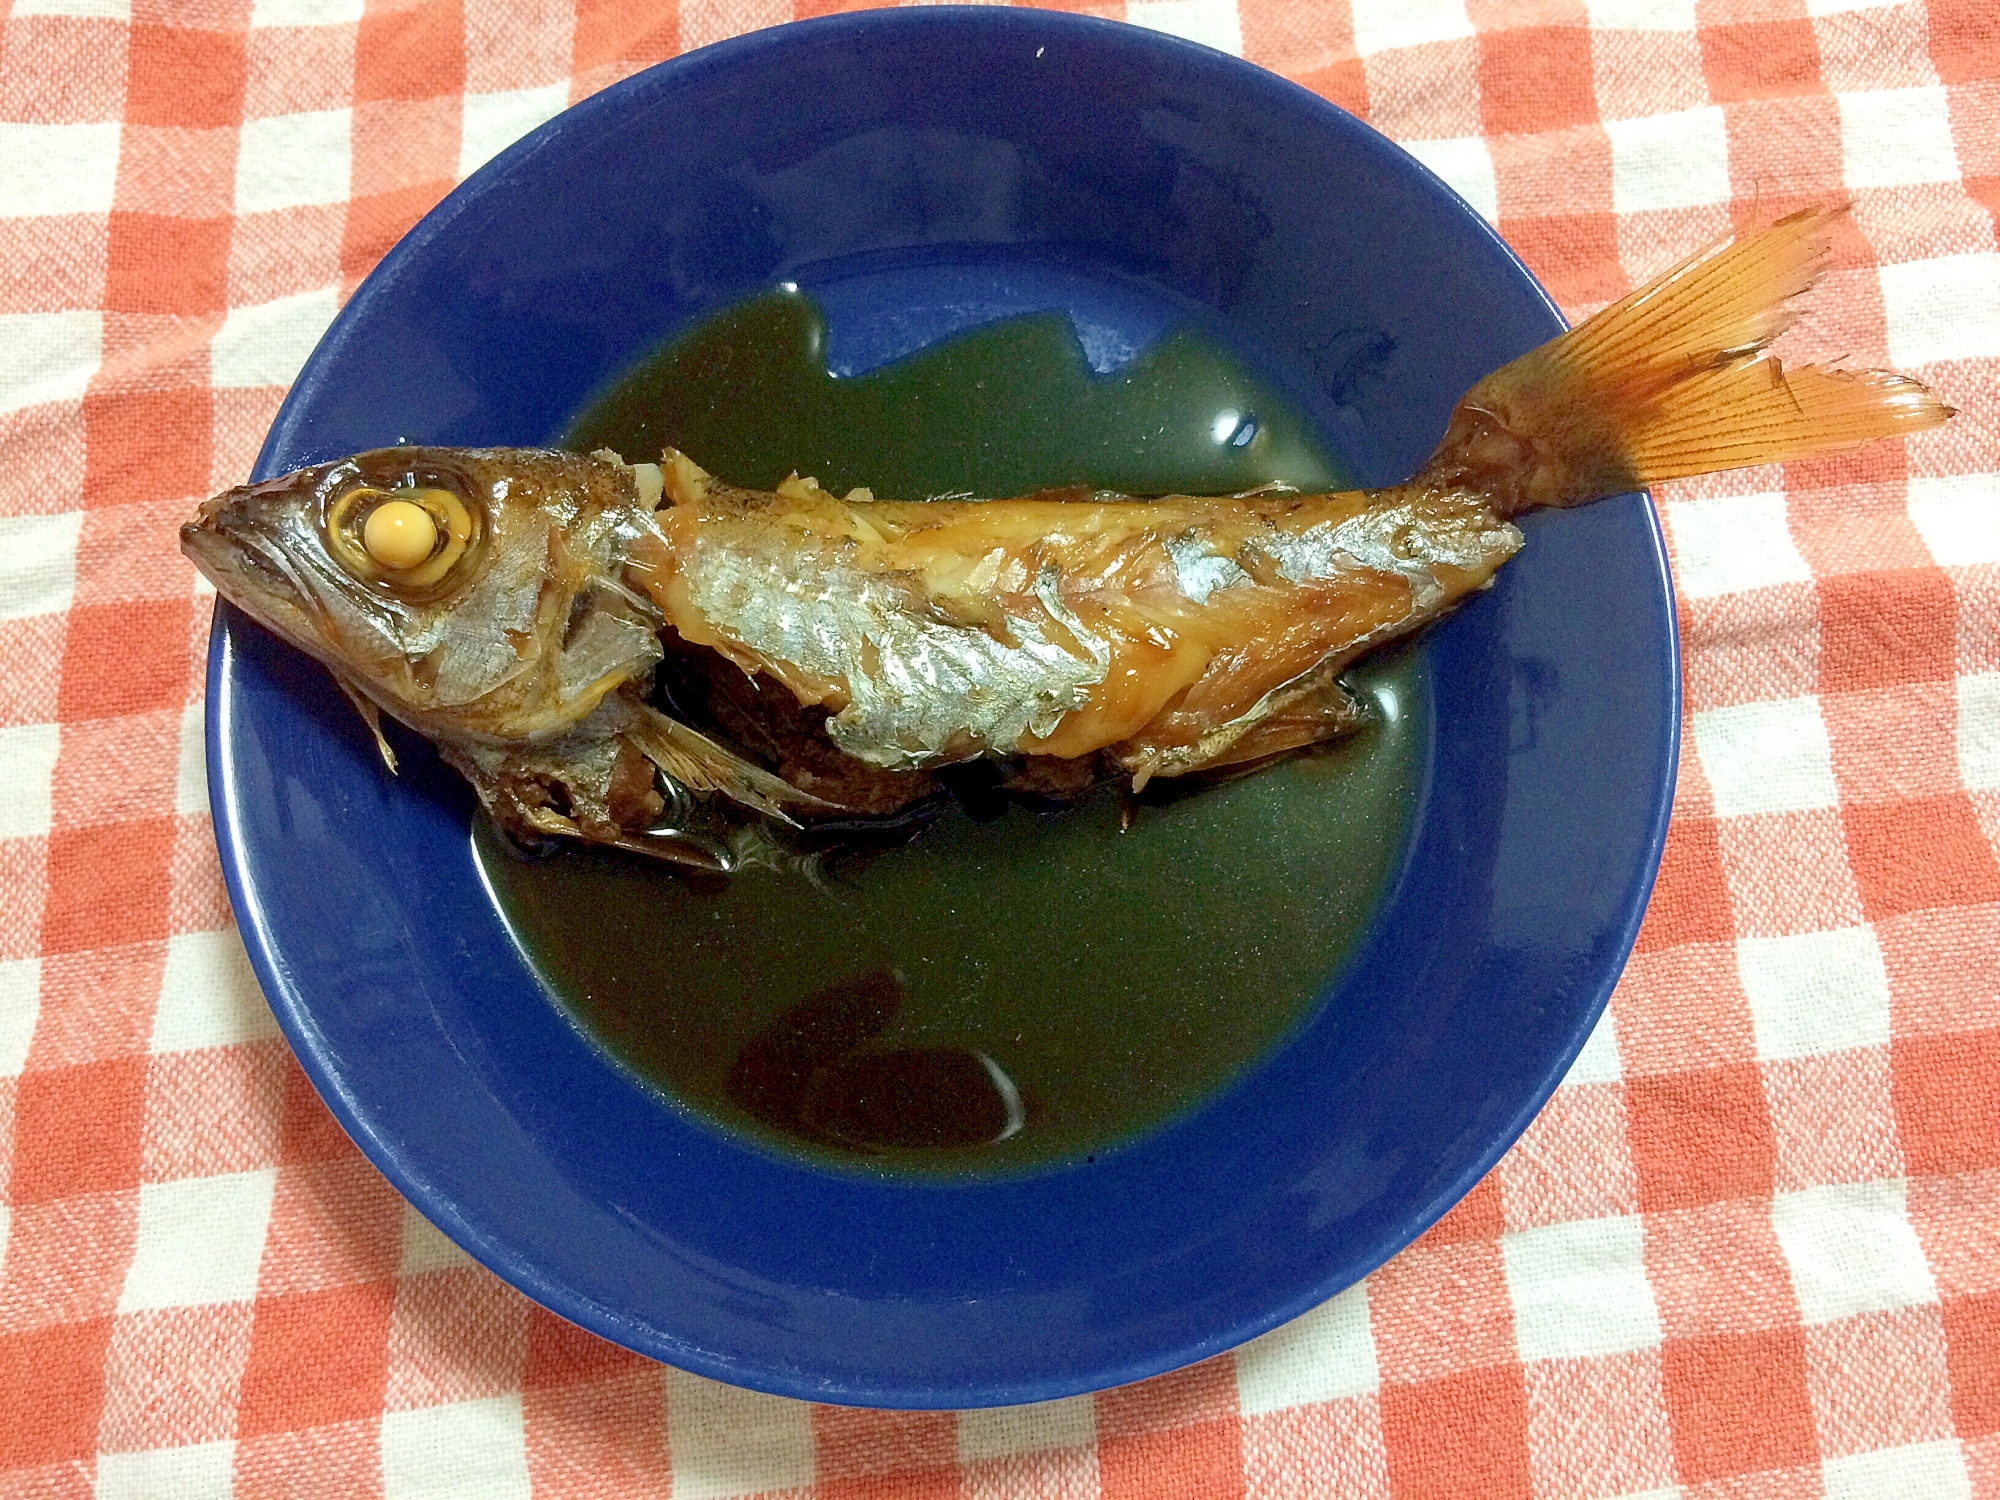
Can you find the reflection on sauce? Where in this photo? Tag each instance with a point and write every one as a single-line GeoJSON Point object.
{"type": "Point", "coordinates": [811, 1074]}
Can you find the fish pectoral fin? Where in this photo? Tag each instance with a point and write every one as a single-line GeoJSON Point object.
{"type": "Point", "coordinates": [372, 717]}
{"type": "Point", "coordinates": [701, 765]}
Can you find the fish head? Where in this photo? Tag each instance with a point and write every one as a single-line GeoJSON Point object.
{"type": "Point", "coordinates": [475, 594]}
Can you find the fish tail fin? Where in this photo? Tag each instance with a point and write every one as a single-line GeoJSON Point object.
{"type": "Point", "coordinates": [1671, 381]}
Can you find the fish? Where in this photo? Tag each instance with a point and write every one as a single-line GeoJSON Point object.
{"type": "Point", "coordinates": [529, 611]}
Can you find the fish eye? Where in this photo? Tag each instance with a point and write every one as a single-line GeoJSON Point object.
{"type": "Point", "coordinates": [399, 534]}
{"type": "Point", "coordinates": [407, 536]}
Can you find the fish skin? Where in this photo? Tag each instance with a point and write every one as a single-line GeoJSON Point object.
{"type": "Point", "coordinates": [1163, 636]}
{"type": "Point", "coordinates": [1158, 632]}
{"type": "Point", "coordinates": [1065, 630]}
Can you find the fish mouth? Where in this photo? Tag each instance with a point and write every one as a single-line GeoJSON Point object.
{"type": "Point", "coordinates": [254, 573]}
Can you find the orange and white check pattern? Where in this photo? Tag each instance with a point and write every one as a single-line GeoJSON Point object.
{"type": "Point", "coordinates": [1752, 1247]}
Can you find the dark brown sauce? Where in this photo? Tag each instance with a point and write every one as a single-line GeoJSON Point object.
{"type": "Point", "coordinates": [812, 1073]}
{"type": "Point", "coordinates": [1008, 987]}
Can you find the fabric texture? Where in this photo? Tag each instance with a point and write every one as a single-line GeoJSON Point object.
{"type": "Point", "coordinates": [1752, 1246]}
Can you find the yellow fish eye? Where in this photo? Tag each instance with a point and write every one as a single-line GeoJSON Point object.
{"type": "Point", "coordinates": [407, 538]}
{"type": "Point", "coordinates": [399, 534]}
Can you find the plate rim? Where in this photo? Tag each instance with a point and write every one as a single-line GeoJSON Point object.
{"type": "Point", "coordinates": [274, 974]}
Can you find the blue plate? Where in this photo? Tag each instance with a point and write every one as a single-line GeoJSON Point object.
{"type": "Point", "coordinates": [928, 169]}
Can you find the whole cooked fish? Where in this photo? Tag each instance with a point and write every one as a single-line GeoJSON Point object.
{"type": "Point", "coordinates": [511, 604]}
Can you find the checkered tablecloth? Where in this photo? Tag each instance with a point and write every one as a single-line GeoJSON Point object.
{"type": "Point", "coordinates": [1752, 1247]}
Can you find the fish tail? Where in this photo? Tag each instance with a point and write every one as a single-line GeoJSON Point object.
{"type": "Point", "coordinates": [1671, 381]}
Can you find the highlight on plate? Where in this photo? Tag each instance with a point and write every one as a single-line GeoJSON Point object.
{"type": "Point", "coordinates": [511, 605]}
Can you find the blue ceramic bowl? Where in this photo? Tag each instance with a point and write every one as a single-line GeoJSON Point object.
{"type": "Point", "coordinates": [944, 167]}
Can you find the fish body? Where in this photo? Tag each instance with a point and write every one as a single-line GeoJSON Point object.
{"type": "Point", "coordinates": [858, 645]}
{"type": "Point", "coordinates": [1170, 635]}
